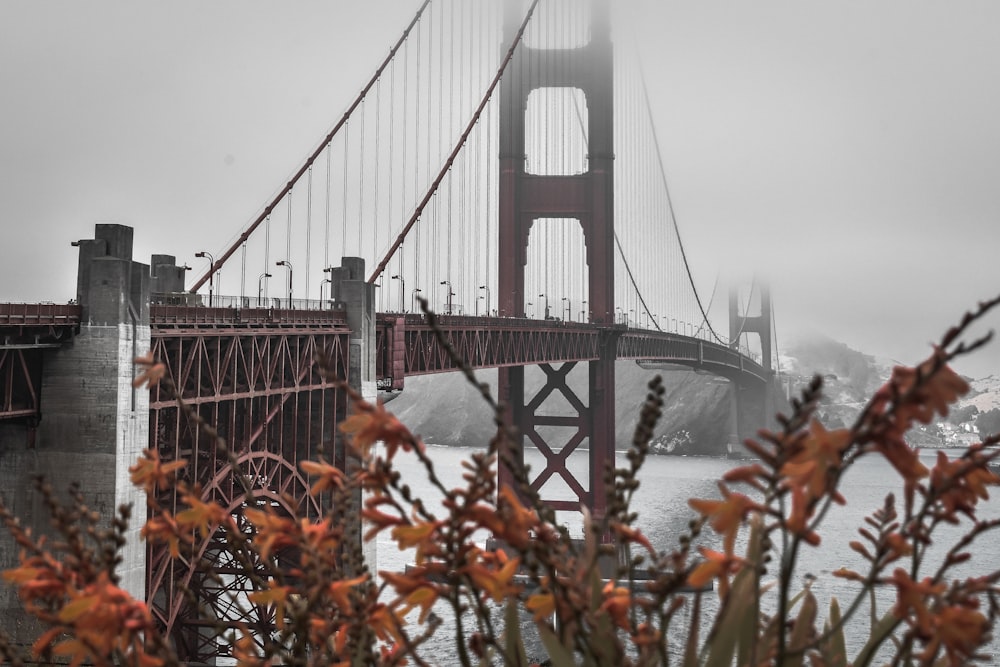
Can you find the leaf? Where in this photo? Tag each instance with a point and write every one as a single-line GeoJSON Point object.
{"type": "Point", "coordinates": [77, 608]}
{"type": "Point", "coordinates": [691, 649]}
{"type": "Point", "coordinates": [513, 643]}
{"type": "Point", "coordinates": [882, 629]}
{"type": "Point", "coordinates": [804, 626]}
{"type": "Point", "coordinates": [559, 655]}
{"type": "Point", "coordinates": [742, 595]}
{"type": "Point", "coordinates": [834, 647]}
{"type": "Point", "coordinates": [749, 628]}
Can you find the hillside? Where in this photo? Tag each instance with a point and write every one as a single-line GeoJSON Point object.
{"type": "Point", "coordinates": [850, 377]}
{"type": "Point", "coordinates": [443, 409]}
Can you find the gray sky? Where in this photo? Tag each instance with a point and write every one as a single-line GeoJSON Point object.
{"type": "Point", "coordinates": [849, 151]}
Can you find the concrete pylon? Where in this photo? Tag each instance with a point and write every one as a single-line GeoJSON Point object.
{"type": "Point", "coordinates": [351, 293]}
{"type": "Point", "coordinates": [93, 423]}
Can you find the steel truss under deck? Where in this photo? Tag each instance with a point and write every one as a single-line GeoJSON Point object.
{"type": "Point", "coordinates": [260, 386]}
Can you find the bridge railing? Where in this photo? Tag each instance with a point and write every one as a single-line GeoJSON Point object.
{"type": "Point", "coordinates": [39, 314]}
{"type": "Point", "coordinates": [164, 315]}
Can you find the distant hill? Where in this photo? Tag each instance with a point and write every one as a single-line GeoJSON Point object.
{"type": "Point", "coordinates": [445, 410]}
{"type": "Point", "coordinates": [850, 377]}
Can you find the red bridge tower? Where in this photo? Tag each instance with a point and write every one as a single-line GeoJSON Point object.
{"type": "Point", "coordinates": [587, 197]}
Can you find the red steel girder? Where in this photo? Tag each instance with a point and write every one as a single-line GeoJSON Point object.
{"type": "Point", "coordinates": [259, 385]}
{"type": "Point", "coordinates": [484, 342]}
{"type": "Point", "coordinates": [20, 375]}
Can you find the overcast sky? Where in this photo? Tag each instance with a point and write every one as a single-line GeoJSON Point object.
{"type": "Point", "coordinates": [848, 150]}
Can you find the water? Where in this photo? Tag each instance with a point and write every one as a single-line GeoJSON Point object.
{"type": "Point", "coordinates": [661, 501]}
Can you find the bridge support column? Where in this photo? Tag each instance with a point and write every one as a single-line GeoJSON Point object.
{"type": "Point", "coordinates": [524, 199]}
{"type": "Point", "coordinates": [351, 292]}
{"type": "Point", "coordinates": [752, 409]}
{"type": "Point", "coordinates": [93, 423]}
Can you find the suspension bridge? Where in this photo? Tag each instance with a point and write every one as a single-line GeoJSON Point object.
{"type": "Point", "coordinates": [500, 166]}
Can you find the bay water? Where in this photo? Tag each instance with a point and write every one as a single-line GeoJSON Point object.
{"type": "Point", "coordinates": [666, 484]}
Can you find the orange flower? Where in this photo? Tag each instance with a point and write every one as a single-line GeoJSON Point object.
{"type": "Point", "coordinates": [273, 532]}
{"type": "Point", "coordinates": [961, 631]}
{"type": "Point", "coordinates": [962, 483]}
{"type": "Point", "coordinates": [379, 521]}
{"type": "Point", "coordinates": [915, 597]}
{"type": "Point", "coordinates": [798, 519]}
{"type": "Point", "coordinates": [726, 515]}
{"type": "Point", "coordinates": [518, 523]}
{"type": "Point", "coordinates": [542, 604]}
{"type": "Point", "coordinates": [716, 565]}
{"type": "Point", "coordinates": [492, 580]}
{"type": "Point", "coordinates": [617, 602]}
{"type": "Point", "coordinates": [276, 595]}
{"type": "Point", "coordinates": [330, 477]}
{"type": "Point", "coordinates": [200, 515]}
{"type": "Point", "coordinates": [163, 528]}
{"type": "Point", "coordinates": [152, 375]}
{"type": "Point", "coordinates": [819, 453]}
{"type": "Point", "coordinates": [413, 590]}
{"type": "Point", "coordinates": [373, 423]}
{"type": "Point", "coordinates": [340, 592]}
{"type": "Point", "coordinates": [319, 536]}
{"type": "Point", "coordinates": [151, 473]}
{"type": "Point", "coordinates": [628, 534]}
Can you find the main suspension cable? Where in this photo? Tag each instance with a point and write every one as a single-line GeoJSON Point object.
{"type": "Point", "coordinates": [216, 265]}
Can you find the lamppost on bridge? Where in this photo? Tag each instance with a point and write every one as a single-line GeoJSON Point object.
{"type": "Point", "coordinates": [260, 287]}
{"type": "Point", "coordinates": [487, 288]}
{"type": "Point", "coordinates": [583, 313]}
{"type": "Point", "coordinates": [322, 283]}
{"type": "Point", "coordinates": [542, 296]}
{"type": "Point", "coordinates": [619, 315]}
{"type": "Point", "coordinates": [211, 273]}
{"type": "Point", "coordinates": [288, 265]}
{"type": "Point", "coordinates": [402, 290]}
{"type": "Point", "coordinates": [450, 294]}
{"type": "Point", "coordinates": [413, 299]}
{"type": "Point", "coordinates": [569, 308]}
{"type": "Point", "coordinates": [328, 270]}
{"type": "Point", "coordinates": [529, 305]}
{"type": "Point", "coordinates": [674, 320]}
{"type": "Point", "coordinates": [632, 318]}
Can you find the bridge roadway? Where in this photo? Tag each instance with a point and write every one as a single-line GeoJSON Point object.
{"type": "Point", "coordinates": [405, 344]}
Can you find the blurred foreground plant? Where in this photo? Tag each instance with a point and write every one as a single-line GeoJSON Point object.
{"type": "Point", "coordinates": [329, 609]}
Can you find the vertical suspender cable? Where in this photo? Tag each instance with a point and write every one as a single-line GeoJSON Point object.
{"type": "Point", "coordinates": [459, 144]}
{"type": "Point", "coordinates": [326, 232]}
{"type": "Point", "coordinates": [309, 204]}
{"type": "Point", "coordinates": [329, 137]}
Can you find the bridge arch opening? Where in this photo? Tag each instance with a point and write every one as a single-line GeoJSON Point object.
{"type": "Point", "coordinates": [555, 132]}
{"type": "Point", "coordinates": [556, 290]}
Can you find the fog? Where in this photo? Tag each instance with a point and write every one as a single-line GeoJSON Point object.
{"type": "Point", "coordinates": [847, 152]}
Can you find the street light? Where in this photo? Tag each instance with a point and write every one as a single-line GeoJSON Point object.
{"type": "Point", "coordinates": [569, 308]}
{"type": "Point", "coordinates": [413, 299]}
{"type": "Point", "coordinates": [542, 296]}
{"type": "Point", "coordinates": [260, 287]}
{"type": "Point", "coordinates": [583, 313]}
{"type": "Point", "coordinates": [450, 294]}
{"type": "Point", "coordinates": [529, 304]}
{"type": "Point", "coordinates": [487, 288]}
{"type": "Point", "coordinates": [211, 273]}
{"type": "Point", "coordinates": [324, 282]}
{"type": "Point", "coordinates": [402, 290]}
{"type": "Point", "coordinates": [288, 265]}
